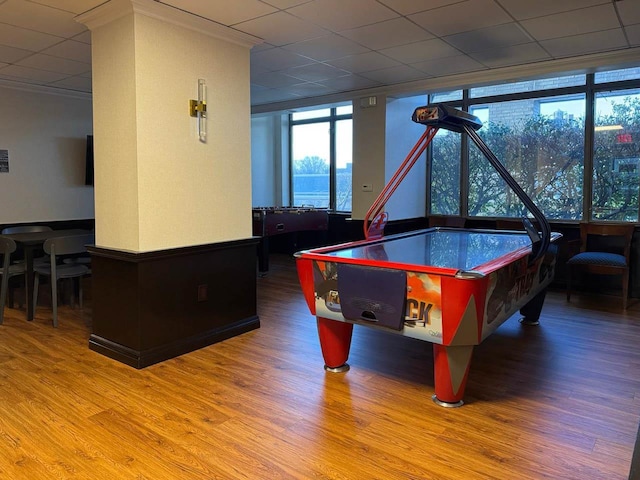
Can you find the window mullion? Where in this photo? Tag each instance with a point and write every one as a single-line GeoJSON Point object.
{"type": "Point", "coordinates": [589, 125]}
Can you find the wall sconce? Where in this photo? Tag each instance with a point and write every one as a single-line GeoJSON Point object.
{"type": "Point", "coordinates": [198, 108]}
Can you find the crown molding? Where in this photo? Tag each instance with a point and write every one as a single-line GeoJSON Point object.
{"type": "Point", "coordinates": [46, 89]}
{"type": "Point", "coordinates": [115, 9]}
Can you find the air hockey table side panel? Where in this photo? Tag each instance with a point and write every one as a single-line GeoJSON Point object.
{"type": "Point", "coordinates": [441, 309]}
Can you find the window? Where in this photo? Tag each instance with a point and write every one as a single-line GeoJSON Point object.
{"type": "Point", "coordinates": [528, 86]}
{"type": "Point", "coordinates": [446, 96]}
{"type": "Point", "coordinates": [310, 147]}
{"type": "Point", "coordinates": [445, 173]}
{"type": "Point", "coordinates": [618, 75]}
{"type": "Point", "coordinates": [538, 130]}
{"type": "Point", "coordinates": [616, 156]}
{"type": "Point", "coordinates": [321, 153]}
{"type": "Point", "coordinates": [541, 143]}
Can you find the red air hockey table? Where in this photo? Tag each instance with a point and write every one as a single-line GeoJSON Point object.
{"type": "Point", "coordinates": [450, 287]}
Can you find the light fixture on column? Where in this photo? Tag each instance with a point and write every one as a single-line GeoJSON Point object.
{"type": "Point", "coordinates": [198, 108]}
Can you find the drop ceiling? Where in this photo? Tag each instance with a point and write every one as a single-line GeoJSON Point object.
{"type": "Point", "coordinates": [323, 48]}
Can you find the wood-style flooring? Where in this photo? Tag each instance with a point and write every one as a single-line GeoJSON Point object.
{"type": "Point", "coordinates": [558, 401]}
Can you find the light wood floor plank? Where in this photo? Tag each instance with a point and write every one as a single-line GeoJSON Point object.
{"type": "Point", "coordinates": [558, 401]}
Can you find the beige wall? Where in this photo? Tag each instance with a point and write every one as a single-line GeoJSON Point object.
{"type": "Point", "coordinates": [162, 187]}
{"type": "Point", "coordinates": [45, 135]}
{"type": "Point", "coordinates": [115, 143]}
{"type": "Point", "coordinates": [369, 126]}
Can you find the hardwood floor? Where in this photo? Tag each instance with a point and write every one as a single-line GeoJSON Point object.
{"type": "Point", "coordinates": [558, 401]}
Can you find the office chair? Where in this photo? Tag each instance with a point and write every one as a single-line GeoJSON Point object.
{"type": "Point", "coordinates": [604, 250]}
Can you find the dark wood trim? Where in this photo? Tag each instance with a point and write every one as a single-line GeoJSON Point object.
{"type": "Point", "coordinates": [152, 306]}
{"type": "Point", "coordinates": [141, 359]}
{"type": "Point", "coordinates": [82, 224]}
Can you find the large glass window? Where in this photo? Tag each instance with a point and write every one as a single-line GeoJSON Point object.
{"type": "Point", "coordinates": [445, 173]}
{"type": "Point", "coordinates": [310, 147]}
{"type": "Point", "coordinates": [617, 75]}
{"type": "Point", "coordinates": [321, 158]}
{"type": "Point", "coordinates": [541, 143]}
{"type": "Point", "coordinates": [344, 161]}
{"type": "Point", "coordinates": [616, 156]}
{"type": "Point", "coordinates": [527, 86]}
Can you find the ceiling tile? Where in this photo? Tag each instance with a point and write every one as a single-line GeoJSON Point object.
{"type": "Point", "coordinates": [421, 51]}
{"type": "Point", "coordinates": [629, 11]}
{"type": "Point", "coordinates": [337, 15]}
{"type": "Point", "coordinates": [261, 46]}
{"type": "Point", "coordinates": [283, 4]}
{"type": "Point", "coordinates": [84, 37]}
{"type": "Point", "coordinates": [273, 79]}
{"type": "Point", "coordinates": [407, 7]}
{"type": "Point", "coordinates": [259, 97]}
{"type": "Point", "coordinates": [74, 83]}
{"type": "Point", "coordinates": [257, 69]}
{"type": "Point", "coordinates": [633, 34]}
{"type": "Point", "coordinates": [12, 55]}
{"type": "Point", "coordinates": [328, 47]}
{"type": "Point", "coordinates": [26, 39]}
{"type": "Point", "coordinates": [577, 22]}
{"type": "Point", "coordinates": [449, 66]}
{"type": "Point", "coordinates": [16, 71]}
{"type": "Point", "coordinates": [277, 59]}
{"type": "Point", "coordinates": [364, 62]}
{"type": "Point", "coordinates": [54, 64]}
{"type": "Point", "coordinates": [489, 38]}
{"type": "Point", "coordinates": [513, 55]}
{"type": "Point", "coordinates": [281, 28]}
{"type": "Point", "coordinates": [461, 17]}
{"type": "Point", "coordinates": [389, 76]}
{"type": "Point", "coordinates": [539, 8]}
{"type": "Point", "coordinates": [309, 89]}
{"type": "Point", "coordinates": [41, 18]}
{"type": "Point", "coordinates": [337, 57]}
{"type": "Point", "coordinates": [226, 13]}
{"type": "Point", "coordinates": [72, 50]}
{"type": "Point", "coordinates": [583, 44]}
{"type": "Point", "coordinates": [349, 82]}
{"type": "Point", "coordinates": [315, 72]}
{"type": "Point", "coordinates": [73, 6]}
{"type": "Point", "coordinates": [390, 33]}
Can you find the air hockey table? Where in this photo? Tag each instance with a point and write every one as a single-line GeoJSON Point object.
{"type": "Point", "coordinates": [448, 286]}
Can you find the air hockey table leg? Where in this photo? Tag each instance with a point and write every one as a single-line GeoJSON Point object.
{"type": "Point", "coordinates": [531, 311]}
{"type": "Point", "coordinates": [451, 367]}
{"type": "Point", "coordinates": [335, 342]}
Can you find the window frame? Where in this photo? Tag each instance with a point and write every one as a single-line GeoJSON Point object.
{"type": "Point", "coordinates": [590, 90]}
{"type": "Point", "coordinates": [331, 119]}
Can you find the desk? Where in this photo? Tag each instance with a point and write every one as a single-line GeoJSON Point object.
{"type": "Point", "coordinates": [29, 243]}
{"type": "Point", "coordinates": [269, 221]}
{"type": "Point", "coordinates": [450, 287]}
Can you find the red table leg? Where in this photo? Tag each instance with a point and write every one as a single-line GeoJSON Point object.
{"type": "Point", "coordinates": [335, 342]}
{"type": "Point", "coordinates": [451, 367]}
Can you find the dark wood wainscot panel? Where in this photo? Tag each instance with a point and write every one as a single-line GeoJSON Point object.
{"type": "Point", "coordinates": [152, 306]}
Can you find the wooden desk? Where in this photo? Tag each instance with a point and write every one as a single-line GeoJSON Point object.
{"type": "Point", "coordinates": [29, 243]}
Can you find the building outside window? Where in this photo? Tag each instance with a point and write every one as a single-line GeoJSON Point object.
{"type": "Point", "coordinates": [321, 158]}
